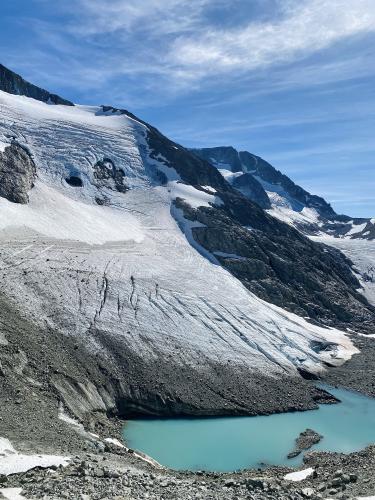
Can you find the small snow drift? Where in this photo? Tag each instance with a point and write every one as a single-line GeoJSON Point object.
{"type": "Point", "coordinates": [12, 462]}
{"type": "Point", "coordinates": [299, 475]}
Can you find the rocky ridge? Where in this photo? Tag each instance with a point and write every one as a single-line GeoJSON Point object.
{"type": "Point", "coordinates": [268, 187]}
{"type": "Point", "coordinates": [14, 84]}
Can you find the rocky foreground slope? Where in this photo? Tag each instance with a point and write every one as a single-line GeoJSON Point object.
{"type": "Point", "coordinates": [109, 475]}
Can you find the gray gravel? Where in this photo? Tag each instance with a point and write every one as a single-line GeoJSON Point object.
{"type": "Point", "coordinates": [110, 476]}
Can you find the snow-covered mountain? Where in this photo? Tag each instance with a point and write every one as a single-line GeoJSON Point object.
{"type": "Point", "coordinates": [137, 279]}
{"type": "Point", "coordinates": [274, 191]}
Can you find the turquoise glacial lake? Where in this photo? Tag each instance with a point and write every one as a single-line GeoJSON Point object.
{"type": "Point", "coordinates": [234, 443]}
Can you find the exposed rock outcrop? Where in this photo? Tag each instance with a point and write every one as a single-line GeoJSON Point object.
{"type": "Point", "coordinates": [17, 174]}
{"type": "Point", "coordinates": [107, 175]}
{"type": "Point", "coordinates": [305, 441]}
{"type": "Point", "coordinates": [252, 189]}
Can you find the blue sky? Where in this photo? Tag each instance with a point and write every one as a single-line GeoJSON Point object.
{"type": "Point", "coordinates": [289, 80]}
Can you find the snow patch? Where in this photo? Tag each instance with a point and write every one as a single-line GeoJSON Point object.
{"type": "Point", "coordinates": [6, 447]}
{"type": "Point", "coordinates": [370, 336]}
{"type": "Point", "coordinates": [228, 175]}
{"type": "Point", "coordinates": [161, 163]}
{"type": "Point", "coordinates": [286, 214]}
{"type": "Point", "coordinates": [356, 228]}
{"type": "Point", "coordinates": [12, 462]}
{"type": "Point", "coordinates": [12, 493]}
{"type": "Point", "coordinates": [194, 197]}
{"type": "Point", "coordinates": [209, 188]}
{"type": "Point", "coordinates": [186, 227]}
{"type": "Point", "coordinates": [3, 145]}
{"type": "Point", "coordinates": [299, 475]}
{"type": "Point", "coordinates": [114, 441]}
{"type": "Point", "coordinates": [69, 420]}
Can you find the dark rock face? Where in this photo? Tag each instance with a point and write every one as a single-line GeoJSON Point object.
{"type": "Point", "coordinates": [17, 174]}
{"type": "Point", "coordinates": [256, 166]}
{"type": "Point", "coordinates": [107, 175]}
{"type": "Point", "coordinates": [259, 167]}
{"type": "Point", "coordinates": [14, 84]}
{"type": "Point", "coordinates": [305, 441]}
{"type": "Point", "coordinates": [252, 189]}
{"type": "Point", "coordinates": [221, 157]}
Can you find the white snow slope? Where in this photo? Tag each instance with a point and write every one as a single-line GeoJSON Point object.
{"type": "Point", "coordinates": [127, 267]}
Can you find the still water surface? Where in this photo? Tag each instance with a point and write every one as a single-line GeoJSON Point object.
{"type": "Point", "coordinates": [232, 443]}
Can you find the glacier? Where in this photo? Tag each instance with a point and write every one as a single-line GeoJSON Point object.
{"type": "Point", "coordinates": [125, 281]}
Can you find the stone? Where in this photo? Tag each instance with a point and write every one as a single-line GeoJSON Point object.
{"type": "Point", "coordinates": [308, 492]}
{"type": "Point", "coordinates": [254, 482]}
{"type": "Point", "coordinates": [337, 481]}
{"type": "Point", "coordinates": [17, 174]}
{"type": "Point", "coordinates": [305, 441]}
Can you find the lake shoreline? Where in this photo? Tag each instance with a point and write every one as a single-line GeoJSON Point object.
{"type": "Point", "coordinates": [228, 444]}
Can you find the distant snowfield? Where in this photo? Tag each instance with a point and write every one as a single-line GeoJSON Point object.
{"type": "Point", "coordinates": [128, 268]}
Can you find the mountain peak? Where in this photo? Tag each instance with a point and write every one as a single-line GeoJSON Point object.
{"type": "Point", "coordinates": [12, 83]}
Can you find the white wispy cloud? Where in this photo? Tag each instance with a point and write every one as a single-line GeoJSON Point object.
{"type": "Point", "coordinates": [306, 27]}
{"type": "Point", "coordinates": [157, 17]}
{"type": "Point", "coordinates": [188, 46]}
{"type": "Point", "coordinates": [174, 46]}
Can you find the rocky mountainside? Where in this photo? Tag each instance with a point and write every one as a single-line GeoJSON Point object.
{"type": "Point", "coordinates": [137, 280]}
{"type": "Point", "coordinates": [261, 182]}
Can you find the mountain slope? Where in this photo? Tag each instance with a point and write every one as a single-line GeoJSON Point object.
{"type": "Point", "coordinates": [14, 84]}
{"type": "Point", "coordinates": [282, 197]}
{"type": "Point", "coordinates": [154, 321]}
